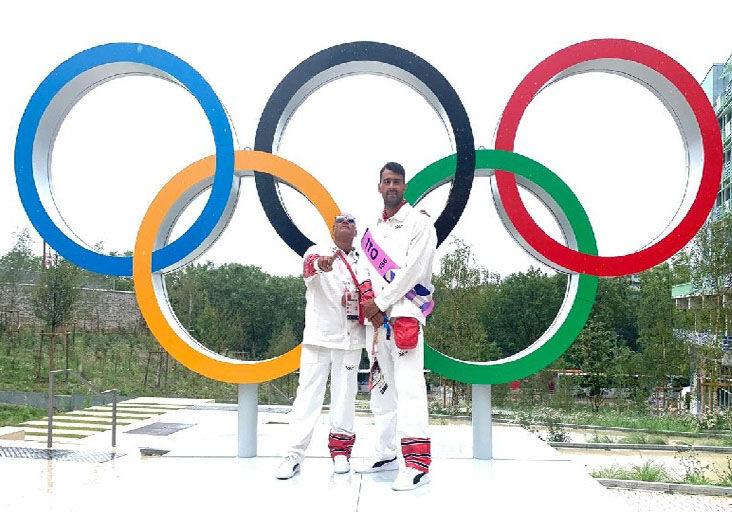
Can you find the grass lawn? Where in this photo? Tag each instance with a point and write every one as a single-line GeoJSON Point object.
{"type": "Point", "coordinates": [608, 417]}
{"type": "Point", "coordinates": [119, 361]}
{"type": "Point", "coordinates": [16, 414]}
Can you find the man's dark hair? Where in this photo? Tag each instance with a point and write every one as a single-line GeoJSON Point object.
{"type": "Point", "coordinates": [393, 167]}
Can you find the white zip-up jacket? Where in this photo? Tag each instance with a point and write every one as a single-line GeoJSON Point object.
{"type": "Point", "coordinates": [325, 316]}
{"type": "Point", "coordinates": [409, 238]}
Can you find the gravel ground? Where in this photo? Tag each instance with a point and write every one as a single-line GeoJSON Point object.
{"type": "Point", "coordinates": [652, 501]}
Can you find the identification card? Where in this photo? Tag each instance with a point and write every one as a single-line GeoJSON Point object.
{"type": "Point", "coordinates": [351, 303]}
{"type": "Point", "coordinates": [376, 378]}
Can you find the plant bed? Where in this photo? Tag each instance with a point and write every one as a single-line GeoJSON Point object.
{"type": "Point", "coordinates": [617, 422]}
{"type": "Point", "coordinates": [670, 487]}
{"type": "Point", "coordinates": [15, 414]}
{"type": "Point", "coordinates": [690, 471]}
{"type": "Point", "coordinates": [642, 446]}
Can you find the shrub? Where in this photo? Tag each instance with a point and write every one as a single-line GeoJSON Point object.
{"type": "Point", "coordinates": [552, 420]}
{"type": "Point", "coordinates": [693, 469]}
{"type": "Point", "coordinates": [649, 471]}
{"type": "Point", "coordinates": [725, 475]}
{"type": "Point", "coordinates": [714, 421]}
{"type": "Point", "coordinates": [599, 438]}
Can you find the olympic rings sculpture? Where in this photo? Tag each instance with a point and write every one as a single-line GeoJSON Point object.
{"type": "Point", "coordinates": [154, 254]}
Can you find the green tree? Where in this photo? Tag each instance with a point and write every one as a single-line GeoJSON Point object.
{"type": "Point", "coordinates": [681, 267]}
{"type": "Point", "coordinates": [236, 307]}
{"type": "Point", "coordinates": [18, 266]}
{"type": "Point", "coordinates": [455, 327]}
{"type": "Point", "coordinates": [711, 278]}
{"type": "Point", "coordinates": [283, 341]}
{"type": "Point", "coordinates": [663, 352]}
{"type": "Point", "coordinates": [523, 306]}
{"type": "Point", "coordinates": [599, 353]}
{"type": "Point", "coordinates": [711, 274]}
{"type": "Point", "coordinates": [616, 307]}
{"type": "Point", "coordinates": [187, 294]}
{"type": "Point", "coordinates": [19, 262]}
{"type": "Point", "coordinates": [56, 293]}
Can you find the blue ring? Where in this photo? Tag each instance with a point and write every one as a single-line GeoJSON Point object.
{"type": "Point", "coordinates": [28, 128]}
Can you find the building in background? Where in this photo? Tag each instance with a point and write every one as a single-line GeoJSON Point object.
{"type": "Point", "coordinates": [712, 394]}
{"type": "Point", "coordinates": [718, 86]}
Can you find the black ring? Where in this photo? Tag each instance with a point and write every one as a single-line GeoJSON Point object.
{"type": "Point", "coordinates": [366, 58]}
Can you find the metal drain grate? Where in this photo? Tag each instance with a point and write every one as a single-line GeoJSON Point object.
{"type": "Point", "coordinates": [216, 407]}
{"type": "Point", "coordinates": [19, 452]}
{"type": "Point", "coordinates": [160, 429]}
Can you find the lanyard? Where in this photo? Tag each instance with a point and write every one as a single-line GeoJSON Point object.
{"type": "Point", "coordinates": [375, 370]}
{"type": "Point", "coordinates": [376, 377]}
{"type": "Point", "coordinates": [348, 266]}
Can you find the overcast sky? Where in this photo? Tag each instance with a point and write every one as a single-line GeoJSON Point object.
{"type": "Point", "coordinates": [606, 136]}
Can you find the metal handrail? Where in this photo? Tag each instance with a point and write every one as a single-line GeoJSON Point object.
{"type": "Point", "coordinates": [284, 395]}
{"type": "Point", "coordinates": [113, 392]}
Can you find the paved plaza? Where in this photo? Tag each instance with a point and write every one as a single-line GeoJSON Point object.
{"type": "Point", "coordinates": [652, 501]}
{"type": "Point", "coordinates": [200, 470]}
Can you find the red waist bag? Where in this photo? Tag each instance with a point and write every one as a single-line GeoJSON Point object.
{"type": "Point", "coordinates": [406, 332]}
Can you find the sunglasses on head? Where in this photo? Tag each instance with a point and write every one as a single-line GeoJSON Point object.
{"type": "Point", "coordinates": [345, 218]}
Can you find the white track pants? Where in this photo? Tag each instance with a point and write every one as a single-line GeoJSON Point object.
{"type": "Point", "coordinates": [400, 410]}
{"type": "Point", "coordinates": [316, 363]}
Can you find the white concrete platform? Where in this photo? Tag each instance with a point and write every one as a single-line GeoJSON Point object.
{"type": "Point", "coordinates": [90, 421]}
{"type": "Point", "coordinates": [201, 471]}
{"type": "Point", "coordinates": [60, 424]}
{"type": "Point", "coordinates": [127, 410]}
{"type": "Point", "coordinates": [161, 400]}
{"type": "Point", "coordinates": [107, 414]}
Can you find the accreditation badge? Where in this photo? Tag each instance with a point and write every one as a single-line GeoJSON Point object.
{"type": "Point", "coordinates": [376, 377]}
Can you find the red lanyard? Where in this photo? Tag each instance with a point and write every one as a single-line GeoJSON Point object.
{"type": "Point", "coordinates": [355, 282]}
{"type": "Point", "coordinates": [345, 262]}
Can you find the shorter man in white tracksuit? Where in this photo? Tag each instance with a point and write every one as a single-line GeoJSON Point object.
{"type": "Point", "coordinates": [405, 241]}
{"type": "Point", "coordinates": [332, 343]}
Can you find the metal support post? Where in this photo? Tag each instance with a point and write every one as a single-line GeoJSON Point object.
{"type": "Point", "coordinates": [482, 418]}
{"type": "Point", "coordinates": [114, 418]}
{"type": "Point", "coordinates": [247, 420]}
{"type": "Point", "coordinates": [49, 439]}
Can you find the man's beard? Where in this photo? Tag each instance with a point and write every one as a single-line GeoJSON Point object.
{"type": "Point", "coordinates": [392, 201]}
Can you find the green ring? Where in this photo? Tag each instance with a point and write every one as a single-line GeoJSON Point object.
{"type": "Point", "coordinates": [522, 364]}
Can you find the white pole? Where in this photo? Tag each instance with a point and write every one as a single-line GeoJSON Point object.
{"type": "Point", "coordinates": [482, 418]}
{"type": "Point", "coordinates": [247, 420]}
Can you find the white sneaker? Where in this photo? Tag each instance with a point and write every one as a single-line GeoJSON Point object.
{"type": "Point", "coordinates": [288, 467]}
{"type": "Point", "coordinates": [341, 464]}
{"type": "Point", "coordinates": [410, 478]}
{"type": "Point", "coordinates": [376, 465]}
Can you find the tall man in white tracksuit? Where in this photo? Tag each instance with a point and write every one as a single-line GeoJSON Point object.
{"type": "Point", "coordinates": [404, 240]}
{"type": "Point", "coordinates": [331, 344]}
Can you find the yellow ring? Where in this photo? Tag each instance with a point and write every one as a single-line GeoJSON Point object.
{"type": "Point", "coordinates": [200, 360]}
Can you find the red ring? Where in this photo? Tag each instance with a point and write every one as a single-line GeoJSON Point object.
{"type": "Point", "coordinates": [646, 258]}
